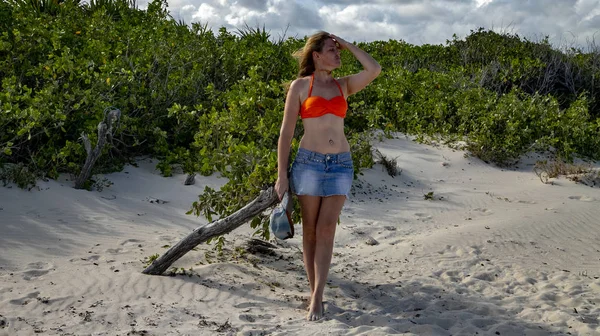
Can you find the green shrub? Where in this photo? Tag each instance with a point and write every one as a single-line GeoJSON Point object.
{"type": "Point", "coordinates": [213, 102]}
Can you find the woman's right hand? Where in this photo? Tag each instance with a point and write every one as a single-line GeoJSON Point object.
{"type": "Point", "coordinates": [281, 186]}
{"type": "Point", "coordinates": [342, 44]}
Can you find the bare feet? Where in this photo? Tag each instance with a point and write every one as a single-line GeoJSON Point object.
{"type": "Point", "coordinates": [316, 310]}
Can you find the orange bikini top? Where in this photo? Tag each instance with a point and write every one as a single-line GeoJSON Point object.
{"type": "Point", "coordinates": [316, 106]}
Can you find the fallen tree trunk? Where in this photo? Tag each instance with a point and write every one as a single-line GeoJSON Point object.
{"type": "Point", "coordinates": [265, 199]}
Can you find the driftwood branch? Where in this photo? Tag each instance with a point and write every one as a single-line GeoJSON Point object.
{"type": "Point", "coordinates": [266, 199]}
{"type": "Point", "coordinates": [105, 128]}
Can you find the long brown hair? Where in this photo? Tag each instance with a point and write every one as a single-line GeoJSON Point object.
{"type": "Point", "coordinates": [305, 59]}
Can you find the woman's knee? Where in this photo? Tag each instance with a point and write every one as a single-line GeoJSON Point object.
{"type": "Point", "coordinates": [309, 231]}
{"type": "Point", "coordinates": [326, 228]}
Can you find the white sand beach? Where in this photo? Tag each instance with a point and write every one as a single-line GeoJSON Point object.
{"type": "Point", "coordinates": [495, 252]}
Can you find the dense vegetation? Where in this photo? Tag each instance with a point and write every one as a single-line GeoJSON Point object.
{"type": "Point", "coordinates": [212, 102]}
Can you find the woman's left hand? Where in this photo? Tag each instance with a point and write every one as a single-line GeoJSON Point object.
{"type": "Point", "coordinates": [342, 44]}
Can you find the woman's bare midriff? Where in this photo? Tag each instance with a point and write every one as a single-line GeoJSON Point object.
{"type": "Point", "coordinates": [324, 135]}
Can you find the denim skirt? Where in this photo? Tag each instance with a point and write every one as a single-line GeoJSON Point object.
{"type": "Point", "coordinates": [317, 174]}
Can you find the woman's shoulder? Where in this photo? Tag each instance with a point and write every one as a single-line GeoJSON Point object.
{"type": "Point", "coordinates": [300, 84]}
{"type": "Point", "coordinates": [302, 81]}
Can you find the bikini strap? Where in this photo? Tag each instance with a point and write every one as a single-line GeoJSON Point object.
{"type": "Point", "coordinates": [312, 78]}
{"type": "Point", "coordinates": [339, 87]}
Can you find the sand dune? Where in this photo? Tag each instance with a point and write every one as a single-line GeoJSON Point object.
{"type": "Point", "coordinates": [493, 252]}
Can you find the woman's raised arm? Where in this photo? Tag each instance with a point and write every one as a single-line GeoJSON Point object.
{"type": "Point", "coordinates": [359, 81]}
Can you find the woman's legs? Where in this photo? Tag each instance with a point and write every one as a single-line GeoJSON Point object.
{"type": "Point", "coordinates": [319, 241]}
{"type": "Point", "coordinates": [310, 211]}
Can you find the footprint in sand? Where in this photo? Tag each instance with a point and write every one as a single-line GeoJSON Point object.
{"type": "Point", "coordinates": [91, 218]}
{"type": "Point", "coordinates": [423, 216]}
{"type": "Point", "coordinates": [25, 300]}
{"type": "Point", "coordinates": [115, 250]}
{"type": "Point", "coordinates": [247, 318]}
{"type": "Point", "coordinates": [459, 251]}
{"type": "Point", "coordinates": [94, 257]}
{"type": "Point", "coordinates": [249, 305]}
{"type": "Point", "coordinates": [254, 318]}
{"type": "Point", "coordinates": [452, 276]}
{"type": "Point", "coordinates": [166, 238]}
{"type": "Point", "coordinates": [131, 242]}
{"type": "Point", "coordinates": [582, 198]}
{"type": "Point", "coordinates": [484, 212]}
{"type": "Point", "coordinates": [485, 276]}
{"type": "Point", "coordinates": [36, 269]}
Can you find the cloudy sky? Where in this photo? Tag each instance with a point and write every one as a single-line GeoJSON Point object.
{"type": "Point", "coordinates": [566, 22]}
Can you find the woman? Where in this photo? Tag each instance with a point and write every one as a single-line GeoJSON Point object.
{"type": "Point", "coordinates": [322, 173]}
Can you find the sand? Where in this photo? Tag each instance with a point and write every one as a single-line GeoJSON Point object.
{"type": "Point", "coordinates": [492, 252]}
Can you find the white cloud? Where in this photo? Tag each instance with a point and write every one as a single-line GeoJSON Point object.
{"type": "Point", "coordinates": [205, 13]}
{"type": "Point", "coordinates": [481, 3]}
{"type": "Point", "coordinates": [415, 21]}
